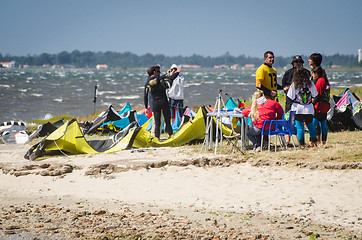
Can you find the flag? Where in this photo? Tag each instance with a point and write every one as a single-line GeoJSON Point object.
{"type": "Point", "coordinates": [343, 101]}
{"type": "Point", "coordinates": [187, 112]}
{"type": "Point", "coordinates": [95, 93]}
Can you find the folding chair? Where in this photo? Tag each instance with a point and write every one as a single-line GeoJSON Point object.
{"type": "Point", "coordinates": [279, 128]}
{"type": "Point", "coordinates": [233, 140]}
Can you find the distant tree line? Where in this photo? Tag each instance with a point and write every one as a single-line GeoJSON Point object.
{"type": "Point", "coordinates": [126, 60]}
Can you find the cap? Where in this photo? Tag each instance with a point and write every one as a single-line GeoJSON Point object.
{"type": "Point", "coordinates": [173, 66]}
{"type": "Point", "coordinates": [297, 58]}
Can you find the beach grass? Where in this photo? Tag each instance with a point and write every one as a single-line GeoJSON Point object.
{"type": "Point", "coordinates": [342, 147]}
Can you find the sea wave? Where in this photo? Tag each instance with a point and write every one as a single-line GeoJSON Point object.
{"type": "Point", "coordinates": [36, 94]}
{"type": "Point", "coordinates": [23, 91]}
{"type": "Point", "coordinates": [123, 97]}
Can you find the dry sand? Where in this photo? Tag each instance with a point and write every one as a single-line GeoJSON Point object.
{"type": "Point", "coordinates": [179, 193]}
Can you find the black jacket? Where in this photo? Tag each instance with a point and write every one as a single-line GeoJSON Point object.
{"type": "Point", "coordinates": [157, 87]}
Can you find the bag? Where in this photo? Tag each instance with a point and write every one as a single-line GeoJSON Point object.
{"type": "Point", "coordinates": [305, 96]}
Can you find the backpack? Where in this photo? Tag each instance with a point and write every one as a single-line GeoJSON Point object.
{"type": "Point", "coordinates": [305, 96]}
{"type": "Point", "coordinates": [326, 95]}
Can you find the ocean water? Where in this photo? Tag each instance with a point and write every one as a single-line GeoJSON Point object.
{"type": "Point", "coordinates": [41, 94]}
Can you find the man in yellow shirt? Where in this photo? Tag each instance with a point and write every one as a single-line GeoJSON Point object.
{"type": "Point", "coordinates": [266, 77]}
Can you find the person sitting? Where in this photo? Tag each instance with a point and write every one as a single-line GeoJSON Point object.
{"type": "Point", "coordinates": [260, 110]}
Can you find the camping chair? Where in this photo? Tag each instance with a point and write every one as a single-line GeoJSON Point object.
{"type": "Point", "coordinates": [279, 128]}
{"type": "Point", "coordinates": [233, 141]}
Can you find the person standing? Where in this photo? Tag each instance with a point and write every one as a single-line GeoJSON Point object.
{"type": "Point", "coordinates": [176, 93]}
{"type": "Point", "coordinates": [301, 92]}
{"type": "Point", "coordinates": [157, 85]}
{"type": "Point", "coordinates": [297, 63]}
{"type": "Point", "coordinates": [266, 77]}
{"type": "Point", "coordinates": [315, 60]}
{"type": "Point", "coordinates": [321, 104]}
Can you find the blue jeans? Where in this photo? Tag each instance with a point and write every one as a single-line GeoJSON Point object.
{"type": "Point", "coordinates": [254, 134]}
{"type": "Point", "coordinates": [176, 104]}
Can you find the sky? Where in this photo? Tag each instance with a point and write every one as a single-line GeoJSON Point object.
{"type": "Point", "coordinates": [181, 28]}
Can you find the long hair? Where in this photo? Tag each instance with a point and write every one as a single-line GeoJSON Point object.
{"type": "Point", "coordinates": [254, 113]}
{"type": "Point", "coordinates": [321, 73]}
{"type": "Point", "coordinates": [301, 78]}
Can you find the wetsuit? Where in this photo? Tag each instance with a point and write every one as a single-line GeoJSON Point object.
{"type": "Point", "coordinates": [157, 86]}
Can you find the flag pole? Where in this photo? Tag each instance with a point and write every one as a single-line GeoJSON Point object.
{"type": "Point", "coordinates": [95, 97]}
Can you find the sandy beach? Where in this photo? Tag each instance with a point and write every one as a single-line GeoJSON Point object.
{"type": "Point", "coordinates": [182, 193]}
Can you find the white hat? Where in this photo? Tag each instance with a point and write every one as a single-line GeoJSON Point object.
{"type": "Point", "coordinates": [173, 66]}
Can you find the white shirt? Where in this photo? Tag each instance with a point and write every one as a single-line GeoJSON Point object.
{"type": "Point", "coordinates": [301, 108]}
{"type": "Point", "coordinates": [177, 91]}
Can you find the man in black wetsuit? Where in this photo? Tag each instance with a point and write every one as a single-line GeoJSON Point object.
{"type": "Point", "coordinates": [157, 85]}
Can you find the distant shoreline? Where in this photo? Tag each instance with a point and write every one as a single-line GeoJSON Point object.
{"type": "Point", "coordinates": [341, 69]}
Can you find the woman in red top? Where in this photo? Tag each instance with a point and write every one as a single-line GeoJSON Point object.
{"type": "Point", "coordinates": [321, 103]}
{"type": "Point", "coordinates": [260, 110]}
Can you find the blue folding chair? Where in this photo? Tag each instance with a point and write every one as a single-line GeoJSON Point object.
{"type": "Point", "coordinates": [279, 128]}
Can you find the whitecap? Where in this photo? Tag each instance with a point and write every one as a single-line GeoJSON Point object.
{"type": "Point", "coordinates": [106, 103]}
{"type": "Point", "coordinates": [123, 97]}
{"type": "Point", "coordinates": [36, 94]}
{"type": "Point", "coordinates": [243, 83]}
{"type": "Point", "coordinates": [47, 116]}
{"type": "Point", "coordinates": [22, 90]}
{"type": "Point", "coordinates": [192, 84]}
{"type": "Point", "coordinates": [58, 100]}
{"type": "Point", "coordinates": [5, 86]}
{"type": "Point", "coordinates": [106, 92]}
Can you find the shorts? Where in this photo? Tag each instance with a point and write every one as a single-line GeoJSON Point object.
{"type": "Point", "coordinates": [320, 116]}
{"type": "Point", "coordinates": [306, 118]}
